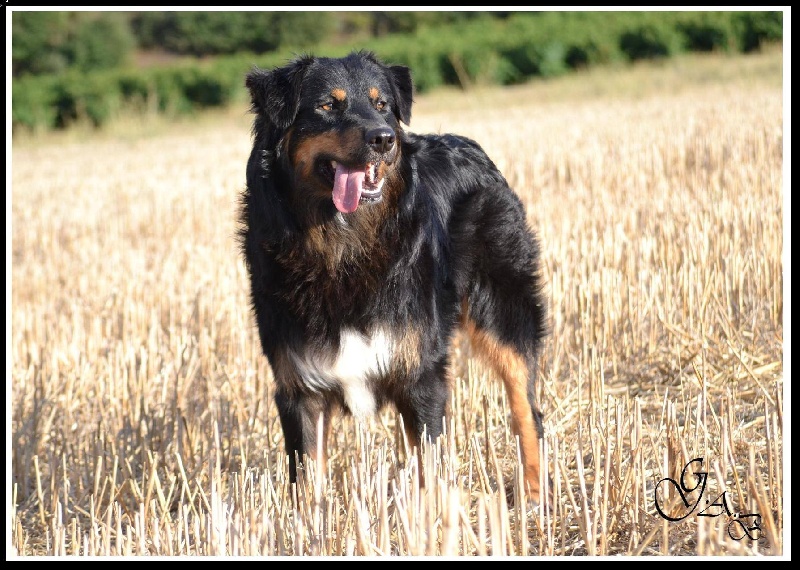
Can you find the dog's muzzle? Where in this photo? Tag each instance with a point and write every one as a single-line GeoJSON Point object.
{"type": "Point", "coordinates": [354, 186]}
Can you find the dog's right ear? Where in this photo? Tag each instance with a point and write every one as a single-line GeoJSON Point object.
{"type": "Point", "coordinates": [276, 94]}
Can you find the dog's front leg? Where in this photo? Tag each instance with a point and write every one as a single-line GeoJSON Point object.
{"type": "Point", "coordinates": [423, 407]}
{"type": "Point", "coordinates": [300, 414]}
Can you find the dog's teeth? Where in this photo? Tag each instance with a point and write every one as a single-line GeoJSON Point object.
{"type": "Point", "coordinates": [334, 164]}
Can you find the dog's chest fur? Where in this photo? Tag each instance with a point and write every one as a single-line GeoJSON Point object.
{"type": "Point", "coordinates": [360, 360]}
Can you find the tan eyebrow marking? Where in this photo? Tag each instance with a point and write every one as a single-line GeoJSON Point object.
{"type": "Point", "coordinates": [339, 94]}
{"type": "Point", "coordinates": [373, 92]}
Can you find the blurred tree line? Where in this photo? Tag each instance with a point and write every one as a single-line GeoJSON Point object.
{"type": "Point", "coordinates": [91, 66]}
{"type": "Point", "coordinates": [49, 42]}
{"type": "Point", "coordinates": [52, 42]}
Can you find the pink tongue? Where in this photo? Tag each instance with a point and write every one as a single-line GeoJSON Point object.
{"type": "Point", "coordinates": [347, 186]}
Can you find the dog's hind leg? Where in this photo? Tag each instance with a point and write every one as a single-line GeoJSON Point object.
{"type": "Point", "coordinates": [517, 373]}
{"type": "Point", "coordinates": [503, 307]}
{"type": "Point", "coordinates": [300, 416]}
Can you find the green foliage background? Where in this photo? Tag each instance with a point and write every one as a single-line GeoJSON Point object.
{"type": "Point", "coordinates": [80, 66]}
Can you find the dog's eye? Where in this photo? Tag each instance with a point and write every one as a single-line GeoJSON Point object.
{"type": "Point", "coordinates": [326, 107]}
{"type": "Point", "coordinates": [380, 105]}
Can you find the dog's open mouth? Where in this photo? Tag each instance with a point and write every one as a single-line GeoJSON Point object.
{"type": "Point", "coordinates": [354, 186]}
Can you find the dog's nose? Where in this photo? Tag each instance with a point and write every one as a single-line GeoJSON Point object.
{"type": "Point", "coordinates": [380, 139]}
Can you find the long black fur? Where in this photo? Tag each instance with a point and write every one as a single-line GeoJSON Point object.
{"type": "Point", "coordinates": [447, 243]}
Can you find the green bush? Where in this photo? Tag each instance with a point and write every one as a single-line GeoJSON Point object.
{"type": "Point", "coordinates": [93, 97]}
{"type": "Point", "coordinates": [100, 41]}
{"type": "Point", "coordinates": [215, 33]}
{"type": "Point", "coordinates": [203, 89]}
{"type": "Point", "coordinates": [209, 33]}
{"type": "Point", "coordinates": [707, 33]}
{"type": "Point", "coordinates": [546, 60]}
{"type": "Point", "coordinates": [409, 22]}
{"type": "Point", "coordinates": [649, 42]}
{"type": "Point", "coordinates": [756, 28]}
{"type": "Point", "coordinates": [52, 42]}
{"type": "Point", "coordinates": [33, 105]}
{"type": "Point", "coordinates": [35, 42]}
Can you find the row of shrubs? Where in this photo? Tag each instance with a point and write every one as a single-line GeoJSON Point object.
{"type": "Point", "coordinates": [54, 41]}
{"type": "Point", "coordinates": [478, 51]}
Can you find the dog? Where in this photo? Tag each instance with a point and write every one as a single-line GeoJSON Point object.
{"type": "Point", "coordinates": [368, 247]}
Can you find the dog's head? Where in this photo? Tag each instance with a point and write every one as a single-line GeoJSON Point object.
{"type": "Point", "coordinates": [338, 123]}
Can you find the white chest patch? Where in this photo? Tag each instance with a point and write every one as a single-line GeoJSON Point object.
{"type": "Point", "coordinates": [359, 358]}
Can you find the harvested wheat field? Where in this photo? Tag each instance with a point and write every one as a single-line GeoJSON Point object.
{"type": "Point", "coordinates": [141, 411]}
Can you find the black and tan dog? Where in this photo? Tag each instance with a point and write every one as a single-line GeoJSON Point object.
{"type": "Point", "coordinates": [368, 246]}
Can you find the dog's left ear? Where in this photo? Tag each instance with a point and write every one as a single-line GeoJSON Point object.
{"type": "Point", "coordinates": [276, 94]}
{"type": "Point", "coordinates": [402, 91]}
